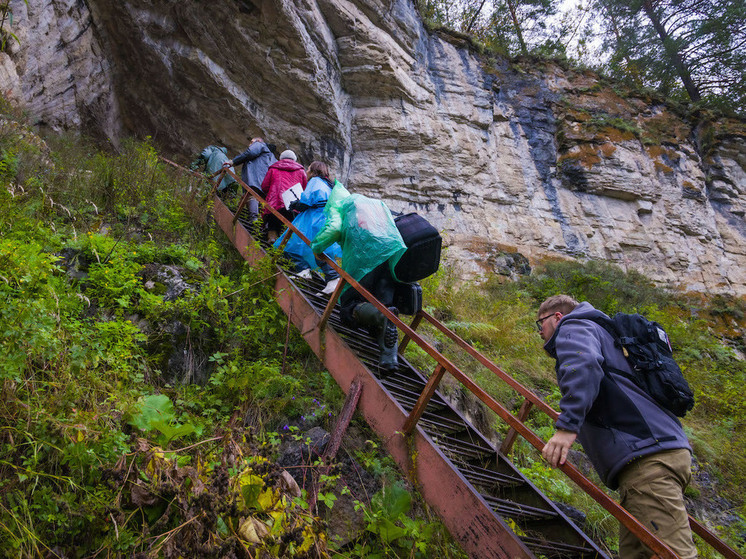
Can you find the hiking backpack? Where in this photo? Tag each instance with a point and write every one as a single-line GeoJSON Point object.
{"type": "Point", "coordinates": [647, 348]}
{"type": "Point", "coordinates": [423, 241]}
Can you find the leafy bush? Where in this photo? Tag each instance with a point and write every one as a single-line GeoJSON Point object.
{"type": "Point", "coordinates": [605, 286]}
{"type": "Point", "coordinates": [102, 448]}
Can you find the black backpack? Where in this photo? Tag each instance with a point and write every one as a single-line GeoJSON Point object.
{"type": "Point", "coordinates": [423, 241]}
{"type": "Point", "coordinates": [646, 346]}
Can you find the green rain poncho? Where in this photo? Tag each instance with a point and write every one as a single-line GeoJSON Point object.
{"type": "Point", "coordinates": [364, 229]}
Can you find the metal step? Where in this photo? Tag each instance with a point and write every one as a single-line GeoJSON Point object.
{"type": "Point", "coordinates": [449, 430]}
{"type": "Point", "coordinates": [540, 529]}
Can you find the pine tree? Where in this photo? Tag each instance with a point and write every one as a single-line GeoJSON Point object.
{"type": "Point", "coordinates": [691, 48]}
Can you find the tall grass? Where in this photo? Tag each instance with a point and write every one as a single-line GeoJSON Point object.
{"type": "Point", "coordinates": [497, 317]}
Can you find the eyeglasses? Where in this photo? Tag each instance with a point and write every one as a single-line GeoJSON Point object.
{"type": "Point", "coordinates": [541, 320]}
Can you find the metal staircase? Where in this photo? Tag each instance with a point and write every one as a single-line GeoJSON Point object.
{"type": "Point", "coordinates": [487, 504]}
{"type": "Point", "coordinates": [504, 497]}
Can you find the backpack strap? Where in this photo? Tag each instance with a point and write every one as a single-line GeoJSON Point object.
{"type": "Point", "coordinates": [619, 342]}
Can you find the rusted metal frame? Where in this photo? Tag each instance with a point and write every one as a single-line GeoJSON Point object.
{"type": "Point", "coordinates": [214, 185]}
{"type": "Point", "coordinates": [634, 525]}
{"type": "Point", "coordinates": [340, 428]}
{"type": "Point", "coordinates": [483, 534]}
{"type": "Point", "coordinates": [415, 323]}
{"type": "Point", "coordinates": [717, 544]}
{"type": "Point", "coordinates": [355, 285]}
{"type": "Point", "coordinates": [247, 191]}
{"type": "Point", "coordinates": [530, 397]}
{"type": "Point", "coordinates": [435, 354]}
{"type": "Point", "coordinates": [458, 503]}
{"type": "Point", "coordinates": [345, 416]}
{"type": "Point", "coordinates": [241, 204]}
{"type": "Point", "coordinates": [195, 173]}
{"type": "Point", "coordinates": [430, 350]}
{"type": "Point", "coordinates": [509, 440]}
{"type": "Point", "coordinates": [589, 487]}
{"type": "Point", "coordinates": [343, 275]}
{"type": "Point", "coordinates": [330, 305]}
{"type": "Point", "coordinates": [285, 240]}
{"type": "Point", "coordinates": [508, 379]}
{"type": "Point", "coordinates": [216, 182]}
{"type": "Point", "coordinates": [423, 400]}
{"type": "Point", "coordinates": [408, 332]}
{"type": "Point", "coordinates": [251, 192]}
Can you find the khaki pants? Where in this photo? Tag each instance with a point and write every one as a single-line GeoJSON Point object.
{"type": "Point", "coordinates": [652, 490]}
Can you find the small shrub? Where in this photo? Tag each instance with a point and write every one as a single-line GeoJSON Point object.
{"type": "Point", "coordinates": [607, 287]}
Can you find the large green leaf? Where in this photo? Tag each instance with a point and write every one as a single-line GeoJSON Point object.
{"type": "Point", "coordinates": [396, 501]}
{"type": "Point", "coordinates": [152, 412]}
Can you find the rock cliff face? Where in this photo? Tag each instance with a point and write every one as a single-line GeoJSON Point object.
{"type": "Point", "coordinates": [503, 156]}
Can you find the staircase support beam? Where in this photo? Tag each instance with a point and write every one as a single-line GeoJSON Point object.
{"type": "Point", "coordinates": [468, 517]}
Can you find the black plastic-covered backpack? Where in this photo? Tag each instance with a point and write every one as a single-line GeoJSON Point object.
{"type": "Point", "coordinates": [648, 350]}
{"type": "Point", "coordinates": [423, 241]}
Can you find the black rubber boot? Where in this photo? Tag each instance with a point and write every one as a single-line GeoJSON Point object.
{"type": "Point", "coordinates": [368, 316]}
{"type": "Point", "coordinates": [389, 342]}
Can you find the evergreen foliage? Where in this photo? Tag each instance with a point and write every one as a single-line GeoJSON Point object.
{"type": "Point", "coordinates": [683, 48]}
{"type": "Point", "coordinates": [686, 50]}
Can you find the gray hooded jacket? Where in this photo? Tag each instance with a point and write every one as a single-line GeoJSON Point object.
{"type": "Point", "coordinates": [256, 159]}
{"type": "Point", "coordinates": [616, 420]}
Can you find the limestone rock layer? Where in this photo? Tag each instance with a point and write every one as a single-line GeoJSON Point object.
{"type": "Point", "coordinates": [516, 156]}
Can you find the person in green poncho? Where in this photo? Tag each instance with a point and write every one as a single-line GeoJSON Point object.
{"type": "Point", "coordinates": [371, 247]}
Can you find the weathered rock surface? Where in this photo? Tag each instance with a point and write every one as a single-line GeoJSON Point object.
{"type": "Point", "coordinates": [502, 156]}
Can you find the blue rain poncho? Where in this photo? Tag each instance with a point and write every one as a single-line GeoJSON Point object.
{"type": "Point", "coordinates": [310, 222]}
{"type": "Point", "coordinates": [365, 229]}
{"type": "Point", "coordinates": [212, 159]}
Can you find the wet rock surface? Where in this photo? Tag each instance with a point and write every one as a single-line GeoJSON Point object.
{"type": "Point", "coordinates": [521, 156]}
{"type": "Point", "coordinates": [165, 280]}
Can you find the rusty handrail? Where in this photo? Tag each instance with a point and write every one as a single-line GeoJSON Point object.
{"type": "Point", "coordinates": [190, 171]}
{"type": "Point", "coordinates": [422, 401]}
{"type": "Point", "coordinates": [697, 527]}
{"type": "Point", "coordinates": [344, 275]}
{"type": "Point", "coordinates": [444, 364]}
{"type": "Point", "coordinates": [508, 379]}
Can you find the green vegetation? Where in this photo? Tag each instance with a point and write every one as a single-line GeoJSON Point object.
{"type": "Point", "coordinates": [686, 51]}
{"type": "Point", "coordinates": [108, 448]}
{"type": "Point", "coordinates": [6, 22]}
{"type": "Point", "coordinates": [497, 319]}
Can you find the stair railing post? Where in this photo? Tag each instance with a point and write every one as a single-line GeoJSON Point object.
{"type": "Point", "coordinates": [241, 204]}
{"type": "Point", "coordinates": [216, 179]}
{"type": "Point", "coordinates": [415, 323]}
{"type": "Point", "coordinates": [340, 428]}
{"type": "Point", "coordinates": [330, 305]}
{"type": "Point", "coordinates": [422, 401]}
{"type": "Point", "coordinates": [510, 437]}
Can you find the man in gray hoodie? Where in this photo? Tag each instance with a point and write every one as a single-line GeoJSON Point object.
{"type": "Point", "coordinates": [636, 446]}
{"type": "Point", "coordinates": [256, 160]}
